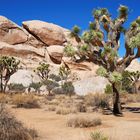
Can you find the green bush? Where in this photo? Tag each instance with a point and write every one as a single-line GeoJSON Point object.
{"type": "Point", "coordinates": [50, 85]}
{"type": "Point", "coordinates": [35, 86]}
{"type": "Point", "coordinates": [97, 100]}
{"type": "Point", "coordinates": [108, 89]}
{"type": "Point", "coordinates": [16, 87]}
{"type": "Point", "coordinates": [83, 121]}
{"type": "Point", "coordinates": [68, 88]}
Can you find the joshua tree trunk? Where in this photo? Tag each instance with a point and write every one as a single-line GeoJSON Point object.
{"type": "Point", "coordinates": [136, 87]}
{"type": "Point", "coordinates": [116, 101]}
{"type": "Point", "coordinates": [5, 85]}
{"type": "Point", "coordinates": [1, 85]}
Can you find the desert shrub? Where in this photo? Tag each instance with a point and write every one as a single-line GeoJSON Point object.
{"type": "Point", "coordinates": [16, 87]}
{"type": "Point", "coordinates": [108, 89]}
{"type": "Point", "coordinates": [65, 111]}
{"type": "Point", "coordinates": [81, 107]}
{"type": "Point", "coordinates": [53, 102]}
{"type": "Point", "coordinates": [130, 98]}
{"type": "Point", "coordinates": [11, 129]}
{"type": "Point", "coordinates": [97, 100]}
{"type": "Point", "coordinates": [35, 86]}
{"type": "Point", "coordinates": [98, 136]}
{"type": "Point", "coordinates": [83, 121]}
{"type": "Point", "coordinates": [51, 108]}
{"type": "Point", "coordinates": [25, 101]}
{"type": "Point", "coordinates": [4, 98]}
{"type": "Point", "coordinates": [68, 88]}
{"type": "Point", "coordinates": [55, 77]}
{"type": "Point", "coordinates": [50, 85]}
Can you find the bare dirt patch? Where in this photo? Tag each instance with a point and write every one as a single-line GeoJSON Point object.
{"type": "Point", "coordinates": [52, 126]}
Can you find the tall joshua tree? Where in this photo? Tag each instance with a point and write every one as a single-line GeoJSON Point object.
{"type": "Point", "coordinates": [101, 42]}
{"type": "Point", "coordinates": [8, 66]}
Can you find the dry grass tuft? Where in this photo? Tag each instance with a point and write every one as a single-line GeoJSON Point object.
{"type": "Point", "coordinates": [98, 136]}
{"type": "Point", "coordinates": [11, 129]}
{"type": "Point", "coordinates": [130, 98]}
{"type": "Point", "coordinates": [25, 101]}
{"type": "Point", "coordinates": [97, 100]}
{"type": "Point", "coordinates": [51, 108]}
{"type": "Point", "coordinates": [4, 98]}
{"type": "Point", "coordinates": [83, 121]}
{"type": "Point", "coordinates": [65, 111]}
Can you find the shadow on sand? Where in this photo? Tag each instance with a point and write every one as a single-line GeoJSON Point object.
{"type": "Point", "coordinates": [133, 109]}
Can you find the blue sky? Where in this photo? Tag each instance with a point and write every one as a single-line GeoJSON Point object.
{"type": "Point", "coordinates": [65, 13]}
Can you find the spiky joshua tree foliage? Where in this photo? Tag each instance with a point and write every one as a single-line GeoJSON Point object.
{"type": "Point", "coordinates": [8, 66]}
{"type": "Point", "coordinates": [43, 71]}
{"type": "Point", "coordinates": [101, 42]}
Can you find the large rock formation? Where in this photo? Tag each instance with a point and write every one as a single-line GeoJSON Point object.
{"type": "Point", "coordinates": [10, 32]}
{"type": "Point", "coordinates": [38, 41]}
{"type": "Point", "coordinates": [47, 33]}
{"type": "Point", "coordinates": [90, 85]}
{"type": "Point", "coordinates": [56, 53]}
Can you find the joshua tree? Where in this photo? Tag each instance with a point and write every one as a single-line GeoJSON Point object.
{"type": "Point", "coordinates": [49, 80]}
{"type": "Point", "coordinates": [64, 72]}
{"type": "Point", "coordinates": [101, 42]}
{"type": "Point", "coordinates": [43, 71]}
{"type": "Point", "coordinates": [67, 85]}
{"type": "Point", "coordinates": [8, 66]}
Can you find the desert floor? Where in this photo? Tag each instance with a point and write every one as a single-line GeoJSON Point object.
{"type": "Point", "coordinates": [52, 126]}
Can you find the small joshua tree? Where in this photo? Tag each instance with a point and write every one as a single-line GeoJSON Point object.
{"type": "Point", "coordinates": [64, 72]}
{"type": "Point", "coordinates": [49, 80]}
{"type": "Point", "coordinates": [101, 42]}
{"type": "Point", "coordinates": [8, 66]}
{"type": "Point", "coordinates": [43, 71]}
{"type": "Point", "coordinates": [50, 85]}
{"type": "Point", "coordinates": [67, 85]}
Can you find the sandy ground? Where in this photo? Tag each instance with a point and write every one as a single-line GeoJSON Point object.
{"type": "Point", "coordinates": [53, 127]}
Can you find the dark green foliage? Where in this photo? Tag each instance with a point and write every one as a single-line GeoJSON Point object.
{"type": "Point", "coordinates": [55, 77]}
{"type": "Point", "coordinates": [97, 13]}
{"type": "Point", "coordinates": [108, 89]}
{"type": "Point", "coordinates": [92, 26]}
{"type": "Point", "coordinates": [75, 31]}
{"type": "Point", "coordinates": [36, 86]}
{"type": "Point", "coordinates": [16, 87]}
{"type": "Point", "coordinates": [123, 11]}
{"type": "Point", "coordinates": [134, 24]}
{"type": "Point", "coordinates": [97, 100]}
{"type": "Point", "coordinates": [50, 85]}
{"type": "Point", "coordinates": [68, 88]}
